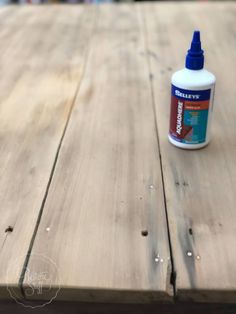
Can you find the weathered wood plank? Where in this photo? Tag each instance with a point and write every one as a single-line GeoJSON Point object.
{"type": "Point", "coordinates": [199, 185]}
{"type": "Point", "coordinates": [107, 185]}
{"type": "Point", "coordinates": [42, 59]}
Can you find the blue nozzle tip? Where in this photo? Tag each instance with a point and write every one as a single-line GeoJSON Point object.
{"type": "Point", "coordinates": [196, 36]}
{"type": "Point", "coordinates": [195, 58]}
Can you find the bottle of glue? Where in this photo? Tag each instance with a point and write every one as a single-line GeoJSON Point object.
{"type": "Point", "coordinates": [192, 94]}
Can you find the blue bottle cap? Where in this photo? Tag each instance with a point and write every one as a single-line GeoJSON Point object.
{"type": "Point", "coordinates": [195, 57]}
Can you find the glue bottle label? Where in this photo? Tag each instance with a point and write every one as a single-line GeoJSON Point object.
{"type": "Point", "coordinates": [189, 115]}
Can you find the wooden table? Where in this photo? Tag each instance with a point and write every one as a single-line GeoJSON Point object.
{"type": "Point", "coordinates": [88, 179]}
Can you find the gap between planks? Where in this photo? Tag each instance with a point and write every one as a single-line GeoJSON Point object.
{"type": "Point", "coordinates": [173, 271]}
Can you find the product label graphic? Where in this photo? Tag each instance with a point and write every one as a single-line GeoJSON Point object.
{"type": "Point", "coordinates": [189, 115]}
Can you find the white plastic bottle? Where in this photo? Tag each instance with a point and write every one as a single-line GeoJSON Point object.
{"type": "Point", "coordinates": [192, 100]}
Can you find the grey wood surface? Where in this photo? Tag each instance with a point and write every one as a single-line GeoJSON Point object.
{"type": "Point", "coordinates": [107, 186]}
{"type": "Point", "coordinates": [87, 175]}
{"type": "Point", "coordinates": [200, 184]}
{"type": "Point", "coordinates": [40, 75]}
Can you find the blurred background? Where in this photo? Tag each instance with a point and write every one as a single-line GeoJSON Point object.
{"type": "Point", "coordinates": [5, 2]}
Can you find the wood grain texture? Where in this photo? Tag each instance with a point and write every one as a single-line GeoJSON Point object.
{"type": "Point", "coordinates": [42, 58]}
{"type": "Point", "coordinates": [107, 185]}
{"type": "Point", "coordinates": [199, 185]}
